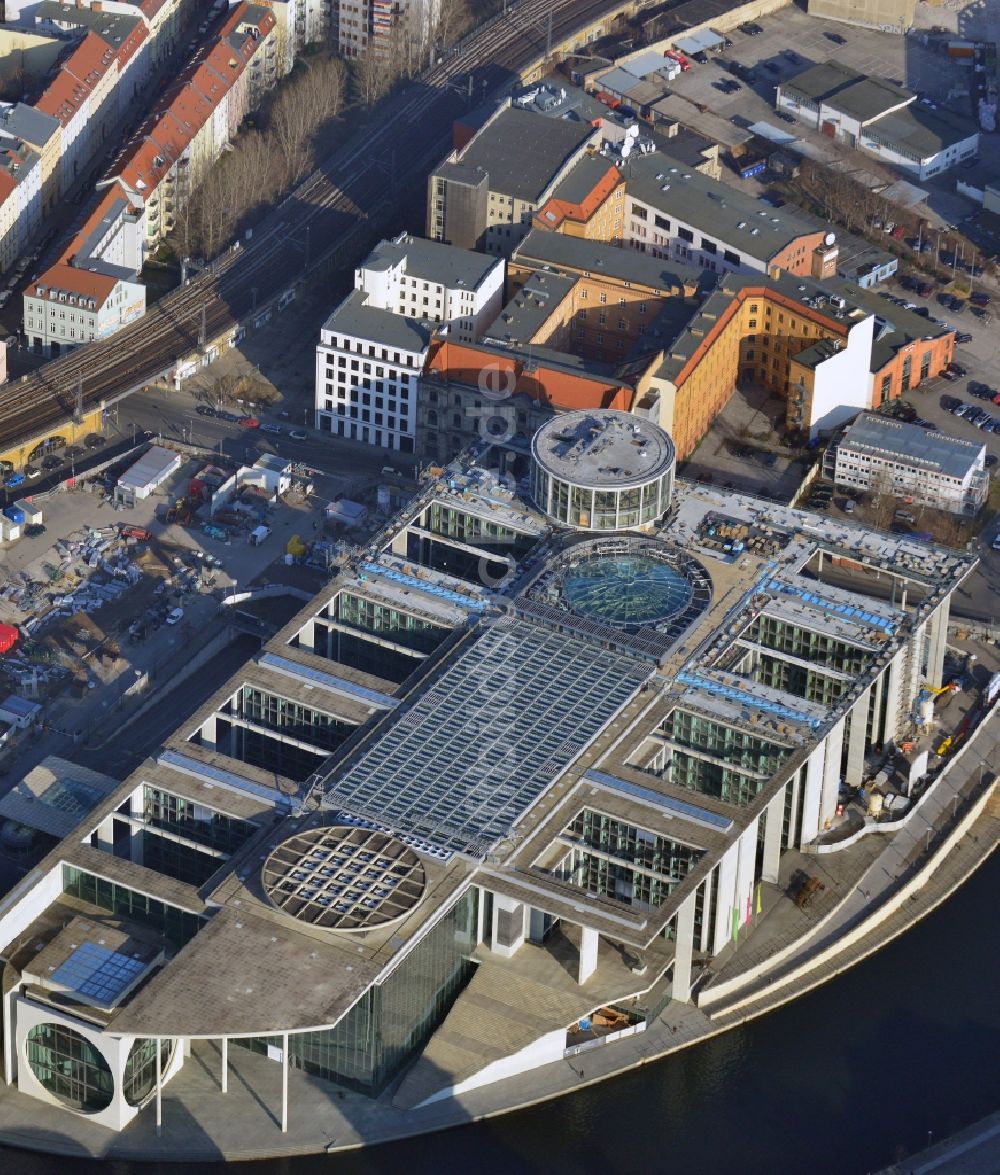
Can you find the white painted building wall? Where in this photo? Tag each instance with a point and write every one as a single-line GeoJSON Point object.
{"type": "Point", "coordinates": [842, 385]}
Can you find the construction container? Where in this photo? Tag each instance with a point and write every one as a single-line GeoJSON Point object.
{"type": "Point", "coordinates": [10, 532]}
{"type": "Point", "coordinates": [32, 513]}
{"type": "Point", "coordinates": [9, 637]}
{"type": "Point", "coordinates": [15, 514]}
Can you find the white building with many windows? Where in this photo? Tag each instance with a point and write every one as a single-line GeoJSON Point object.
{"type": "Point", "coordinates": [425, 279]}
{"type": "Point", "coordinates": [372, 348]}
{"type": "Point", "coordinates": [913, 463]}
{"type": "Point", "coordinates": [367, 365]}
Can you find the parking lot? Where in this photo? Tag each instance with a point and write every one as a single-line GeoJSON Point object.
{"type": "Point", "coordinates": [790, 43]}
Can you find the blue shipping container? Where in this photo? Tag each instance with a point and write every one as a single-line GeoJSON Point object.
{"type": "Point", "coordinates": [15, 514]}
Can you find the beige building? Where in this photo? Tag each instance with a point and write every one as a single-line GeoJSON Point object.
{"type": "Point", "coordinates": [890, 15]}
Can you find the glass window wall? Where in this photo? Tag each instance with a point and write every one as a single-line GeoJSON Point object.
{"type": "Point", "coordinates": [70, 1067]}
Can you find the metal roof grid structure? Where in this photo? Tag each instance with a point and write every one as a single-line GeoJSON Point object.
{"type": "Point", "coordinates": [347, 878]}
{"type": "Point", "coordinates": [507, 716]}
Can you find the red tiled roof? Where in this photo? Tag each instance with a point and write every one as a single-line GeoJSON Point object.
{"type": "Point", "coordinates": [466, 363]}
{"type": "Point", "coordinates": [78, 75]}
{"type": "Point", "coordinates": [71, 280]}
{"type": "Point", "coordinates": [7, 185]}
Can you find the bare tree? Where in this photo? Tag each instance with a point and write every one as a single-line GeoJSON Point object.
{"type": "Point", "coordinates": [452, 19]}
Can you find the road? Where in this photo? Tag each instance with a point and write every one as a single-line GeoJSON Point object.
{"type": "Point", "coordinates": [327, 216]}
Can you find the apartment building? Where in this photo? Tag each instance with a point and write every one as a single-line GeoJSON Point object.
{"type": "Point", "coordinates": [588, 202]}
{"type": "Point", "coordinates": [373, 346]}
{"type": "Point", "coordinates": [423, 279]}
{"type": "Point", "coordinates": [68, 306]}
{"type": "Point", "coordinates": [675, 212]}
{"type": "Point", "coordinates": [879, 117]}
{"type": "Point", "coordinates": [298, 23]}
{"type": "Point", "coordinates": [191, 125]}
{"type": "Point", "coordinates": [486, 193]}
{"type": "Point", "coordinates": [41, 133]}
{"type": "Point", "coordinates": [909, 462]}
{"type": "Point", "coordinates": [20, 197]}
{"type": "Point", "coordinates": [368, 362]}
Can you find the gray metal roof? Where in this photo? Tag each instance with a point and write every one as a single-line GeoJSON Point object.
{"type": "Point", "coordinates": [112, 27]}
{"type": "Point", "coordinates": [714, 208]}
{"type": "Point", "coordinates": [561, 251]}
{"type": "Point", "coordinates": [353, 317]}
{"type": "Point", "coordinates": [530, 308]}
{"type": "Point", "coordinates": [29, 124]}
{"type": "Point", "coordinates": [432, 261]}
{"type": "Point", "coordinates": [922, 132]}
{"type": "Point", "coordinates": [913, 445]}
{"type": "Point", "coordinates": [522, 151]}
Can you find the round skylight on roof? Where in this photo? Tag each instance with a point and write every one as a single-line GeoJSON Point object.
{"type": "Point", "coordinates": [344, 878]}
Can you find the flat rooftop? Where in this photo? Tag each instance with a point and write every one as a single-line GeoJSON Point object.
{"type": "Point", "coordinates": [908, 444]}
{"type": "Point", "coordinates": [432, 261]}
{"type": "Point", "coordinates": [603, 449]}
{"type": "Point", "coordinates": [354, 317]}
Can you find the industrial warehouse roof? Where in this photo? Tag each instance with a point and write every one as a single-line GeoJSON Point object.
{"type": "Point", "coordinates": [869, 99]}
{"type": "Point", "coordinates": [522, 152]}
{"type": "Point", "coordinates": [920, 132]}
{"type": "Point", "coordinates": [151, 468]}
{"type": "Point", "coordinates": [353, 317]}
{"type": "Point", "coordinates": [909, 444]}
{"type": "Point", "coordinates": [432, 261]}
{"type": "Point", "coordinates": [740, 220]}
{"type": "Point", "coordinates": [821, 81]}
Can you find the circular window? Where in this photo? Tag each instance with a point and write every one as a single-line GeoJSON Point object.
{"type": "Point", "coordinates": [139, 1078]}
{"type": "Point", "coordinates": [70, 1067]}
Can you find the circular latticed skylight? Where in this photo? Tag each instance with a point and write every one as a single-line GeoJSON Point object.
{"type": "Point", "coordinates": [344, 878]}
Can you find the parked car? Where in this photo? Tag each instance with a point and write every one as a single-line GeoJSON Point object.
{"type": "Point", "coordinates": [849, 505]}
{"type": "Point", "coordinates": [249, 422]}
{"type": "Point", "coordinates": [979, 298]}
{"type": "Point", "coordinates": [751, 29]}
{"type": "Point", "coordinates": [991, 460]}
{"type": "Point", "coordinates": [945, 374]}
{"type": "Point", "coordinates": [15, 480]}
{"type": "Point", "coordinates": [52, 461]}
{"type": "Point", "coordinates": [963, 336]}
{"type": "Point", "coordinates": [31, 472]}
{"type": "Point", "coordinates": [175, 616]}
{"type": "Point", "coordinates": [785, 116]}
{"type": "Point", "coordinates": [272, 428]}
{"type": "Point", "coordinates": [94, 441]}
{"type": "Point", "coordinates": [34, 529]}
{"type": "Point", "coordinates": [957, 369]}
{"type": "Point", "coordinates": [204, 410]}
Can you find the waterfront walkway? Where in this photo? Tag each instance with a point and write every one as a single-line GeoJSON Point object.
{"type": "Point", "coordinates": [973, 1151]}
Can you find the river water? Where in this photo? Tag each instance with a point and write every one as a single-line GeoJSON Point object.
{"type": "Point", "coordinates": [841, 1081]}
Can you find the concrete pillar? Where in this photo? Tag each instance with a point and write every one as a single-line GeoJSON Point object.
{"type": "Point", "coordinates": [106, 834]}
{"type": "Point", "coordinates": [224, 1083]}
{"type": "Point", "coordinates": [284, 1083]}
{"type": "Point", "coordinates": [537, 925]}
{"type": "Point", "coordinates": [745, 875]}
{"type": "Point", "coordinates": [937, 636]}
{"type": "Point", "coordinates": [831, 774]}
{"type": "Point", "coordinates": [858, 739]}
{"type": "Point", "coordinates": [589, 941]}
{"type": "Point", "coordinates": [703, 943]}
{"type": "Point", "coordinates": [209, 733]}
{"type": "Point", "coordinates": [159, 1087]}
{"type": "Point", "coordinates": [507, 932]}
{"type": "Point", "coordinates": [894, 686]}
{"type": "Point", "coordinates": [774, 814]}
{"type": "Point", "coordinates": [480, 913]}
{"type": "Point", "coordinates": [725, 898]}
{"type": "Point", "coordinates": [877, 688]}
{"type": "Point", "coordinates": [811, 794]}
{"type": "Point", "coordinates": [684, 951]}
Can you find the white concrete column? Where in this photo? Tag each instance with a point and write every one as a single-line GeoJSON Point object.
{"type": "Point", "coordinates": [683, 951]}
{"type": "Point", "coordinates": [480, 913]}
{"type": "Point", "coordinates": [831, 774]}
{"type": "Point", "coordinates": [858, 739]}
{"type": "Point", "coordinates": [746, 869]}
{"type": "Point", "coordinates": [284, 1083]}
{"type": "Point", "coordinates": [159, 1087]}
{"type": "Point", "coordinates": [106, 834]}
{"type": "Point", "coordinates": [775, 814]}
{"type": "Point", "coordinates": [894, 686]}
{"type": "Point", "coordinates": [706, 905]}
{"type": "Point", "coordinates": [209, 735]}
{"type": "Point", "coordinates": [724, 898]}
{"type": "Point", "coordinates": [224, 1083]}
{"type": "Point", "coordinates": [507, 932]}
{"type": "Point", "coordinates": [810, 795]}
{"type": "Point", "coordinates": [937, 635]}
{"type": "Point", "coordinates": [589, 940]}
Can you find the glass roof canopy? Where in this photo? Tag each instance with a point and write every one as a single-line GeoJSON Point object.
{"type": "Point", "coordinates": [460, 766]}
{"type": "Point", "coordinates": [99, 974]}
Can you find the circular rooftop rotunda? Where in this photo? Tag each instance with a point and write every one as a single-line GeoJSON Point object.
{"type": "Point", "coordinates": [344, 878]}
{"type": "Point", "coordinates": [602, 470]}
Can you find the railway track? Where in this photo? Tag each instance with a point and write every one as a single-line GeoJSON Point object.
{"type": "Point", "coordinates": [317, 218]}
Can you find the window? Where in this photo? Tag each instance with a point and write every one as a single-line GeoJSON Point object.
{"type": "Point", "coordinates": [734, 259]}
{"type": "Point", "coordinates": [638, 212]}
{"type": "Point", "coordinates": [709, 246]}
{"type": "Point", "coordinates": [72, 1069]}
{"type": "Point", "coordinates": [686, 234]}
{"type": "Point", "coordinates": [603, 299]}
{"type": "Point", "coordinates": [662, 222]}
